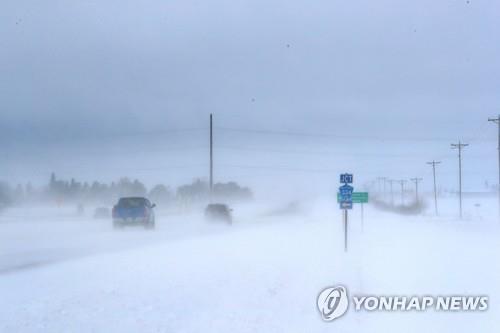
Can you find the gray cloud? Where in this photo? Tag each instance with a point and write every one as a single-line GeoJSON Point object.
{"type": "Point", "coordinates": [76, 70]}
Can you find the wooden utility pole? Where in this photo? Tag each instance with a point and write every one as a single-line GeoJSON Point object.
{"type": "Point", "coordinates": [459, 146]}
{"type": "Point", "coordinates": [211, 182]}
{"type": "Point", "coordinates": [382, 187]}
{"type": "Point", "coordinates": [497, 121]}
{"type": "Point", "coordinates": [402, 182]}
{"type": "Point", "coordinates": [391, 181]}
{"type": "Point", "coordinates": [434, 163]}
{"type": "Point", "coordinates": [416, 180]}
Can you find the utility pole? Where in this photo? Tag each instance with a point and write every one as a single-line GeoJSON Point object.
{"type": "Point", "coordinates": [459, 146]}
{"type": "Point", "coordinates": [497, 121]}
{"type": "Point", "coordinates": [379, 179]}
{"type": "Point", "coordinates": [434, 163]}
{"type": "Point", "coordinates": [392, 192]}
{"type": "Point", "coordinates": [402, 182]}
{"type": "Point", "coordinates": [385, 188]}
{"type": "Point", "coordinates": [211, 182]}
{"type": "Point", "coordinates": [384, 180]}
{"type": "Point", "coordinates": [416, 180]}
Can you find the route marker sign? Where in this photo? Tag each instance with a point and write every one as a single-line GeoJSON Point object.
{"type": "Point", "coordinates": [345, 192]}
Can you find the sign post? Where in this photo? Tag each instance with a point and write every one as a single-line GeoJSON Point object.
{"type": "Point", "coordinates": [362, 219]}
{"type": "Point", "coordinates": [345, 200]}
{"type": "Point", "coordinates": [345, 230]}
{"type": "Point", "coordinates": [361, 198]}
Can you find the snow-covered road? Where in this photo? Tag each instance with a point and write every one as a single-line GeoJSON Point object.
{"type": "Point", "coordinates": [187, 277]}
{"type": "Point", "coordinates": [32, 237]}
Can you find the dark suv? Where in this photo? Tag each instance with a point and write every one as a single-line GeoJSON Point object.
{"type": "Point", "coordinates": [134, 211]}
{"type": "Point", "coordinates": [218, 212]}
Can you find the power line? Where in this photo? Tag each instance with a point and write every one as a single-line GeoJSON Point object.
{"type": "Point", "coordinates": [109, 135]}
{"type": "Point", "coordinates": [118, 168]}
{"type": "Point", "coordinates": [312, 152]}
{"type": "Point", "coordinates": [326, 135]}
{"type": "Point", "coordinates": [155, 132]}
{"type": "Point", "coordinates": [278, 168]}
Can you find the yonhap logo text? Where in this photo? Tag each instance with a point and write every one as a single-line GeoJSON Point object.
{"type": "Point", "coordinates": [333, 302]}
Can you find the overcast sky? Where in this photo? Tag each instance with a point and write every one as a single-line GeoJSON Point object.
{"type": "Point", "coordinates": [80, 77]}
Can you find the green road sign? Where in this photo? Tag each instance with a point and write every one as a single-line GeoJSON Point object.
{"type": "Point", "coordinates": [357, 197]}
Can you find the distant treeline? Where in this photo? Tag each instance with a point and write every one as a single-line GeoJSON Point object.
{"type": "Point", "coordinates": [72, 191]}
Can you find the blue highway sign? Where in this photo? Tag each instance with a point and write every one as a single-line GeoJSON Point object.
{"type": "Point", "coordinates": [345, 192]}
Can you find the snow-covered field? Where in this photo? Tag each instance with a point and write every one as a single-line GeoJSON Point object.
{"type": "Point", "coordinates": [61, 273]}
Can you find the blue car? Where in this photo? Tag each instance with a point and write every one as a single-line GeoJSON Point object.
{"type": "Point", "coordinates": [134, 211]}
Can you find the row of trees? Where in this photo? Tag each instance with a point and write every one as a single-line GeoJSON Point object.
{"type": "Point", "coordinates": [199, 190]}
{"type": "Point", "coordinates": [72, 191]}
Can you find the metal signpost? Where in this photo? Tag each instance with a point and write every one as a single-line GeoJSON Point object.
{"type": "Point", "coordinates": [345, 202]}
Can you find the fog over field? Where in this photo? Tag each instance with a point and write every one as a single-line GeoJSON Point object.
{"type": "Point", "coordinates": [102, 100]}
